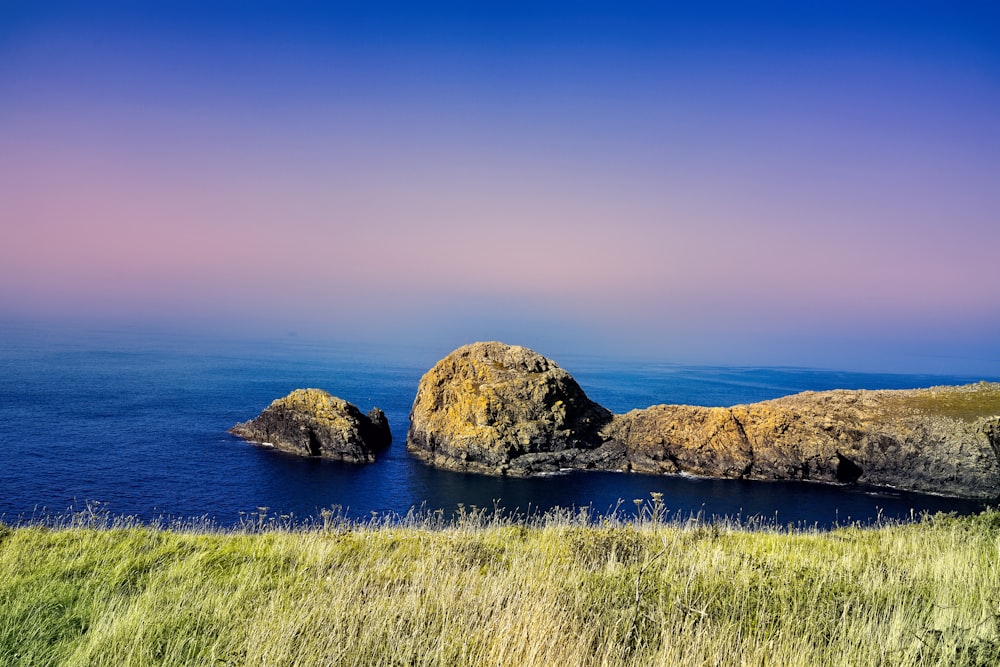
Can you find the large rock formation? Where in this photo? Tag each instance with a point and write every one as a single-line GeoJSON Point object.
{"type": "Point", "coordinates": [939, 440]}
{"type": "Point", "coordinates": [311, 422]}
{"type": "Point", "coordinates": [490, 407]}
{"type": "Point", "coordinates": [498, 409]}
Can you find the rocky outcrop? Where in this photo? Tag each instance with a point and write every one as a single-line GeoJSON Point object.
{"type": "Point", "coordinates": [499, 409]}
{"type": "Point", "coordinates": [938, 440]}
{"type": "Point", "coordinates": [311, 422]}
{"type": "Point", "coordinates": [495, 408]}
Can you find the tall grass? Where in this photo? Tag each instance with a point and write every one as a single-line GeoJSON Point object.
{"type": "Point", "coordinates": [489, 589]}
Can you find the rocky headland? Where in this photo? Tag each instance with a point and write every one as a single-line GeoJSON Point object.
{"type": "Point", "coordinates": [506, 410]}
{"type": "Point", "coordinates": [311, 422]}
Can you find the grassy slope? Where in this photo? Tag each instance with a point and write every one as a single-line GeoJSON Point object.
{"type": "Point", "coordinates": [492, 592]}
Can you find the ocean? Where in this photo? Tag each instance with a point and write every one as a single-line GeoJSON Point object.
{"type": "Point", "coordinates": [135, 424]}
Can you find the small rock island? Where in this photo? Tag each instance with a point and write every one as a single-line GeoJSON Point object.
{"type": "Point", "coordinates": [311, 422]}
{"type": "Point", "coordinates": [506, 410]}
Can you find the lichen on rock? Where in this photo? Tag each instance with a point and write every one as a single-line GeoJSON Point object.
{"type": "Point", "coordinates": [488, 407]}
{"type": "Point", "coordinates": [311, 422]}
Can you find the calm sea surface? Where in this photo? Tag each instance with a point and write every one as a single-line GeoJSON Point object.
{"type": "Point", "coordinates": [138, 424]}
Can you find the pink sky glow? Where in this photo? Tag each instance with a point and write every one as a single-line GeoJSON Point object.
{"type": "Point", "coordinates": [697, 201]}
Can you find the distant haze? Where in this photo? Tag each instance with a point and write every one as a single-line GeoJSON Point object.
{"type": "Point", "coordinates": [707, 182]}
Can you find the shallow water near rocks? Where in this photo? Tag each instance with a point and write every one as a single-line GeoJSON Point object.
{"type": "Point", "coordinates": [138, 423]}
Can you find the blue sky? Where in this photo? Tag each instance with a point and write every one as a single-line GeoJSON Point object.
{"type": "Point", "coordinates": [750, 183]}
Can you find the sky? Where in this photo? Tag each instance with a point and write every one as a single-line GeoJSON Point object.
{"type": "Point", "coordinates": [768, 183]}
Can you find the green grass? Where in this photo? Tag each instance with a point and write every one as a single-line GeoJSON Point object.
{"type": "Point", "coordinates": [966, 403]}
{"type": "Point", "coordinates": [490, 590]}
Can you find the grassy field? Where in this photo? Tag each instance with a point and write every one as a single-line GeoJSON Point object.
{"type": "Point", "coordinates": [490, 590]}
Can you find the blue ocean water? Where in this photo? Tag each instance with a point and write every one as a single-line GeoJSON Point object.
{"type": "Point", "coordinates": [137, 423]}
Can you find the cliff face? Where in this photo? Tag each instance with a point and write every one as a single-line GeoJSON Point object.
{"type": "Point", "coordinates": [498, 409]}
{"type": "Point", "coordinates": [311, 422]}
{"type": "Point", "coordinates": [940, 440]}
{"type": "Point", "coordinates": [682, 439]}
